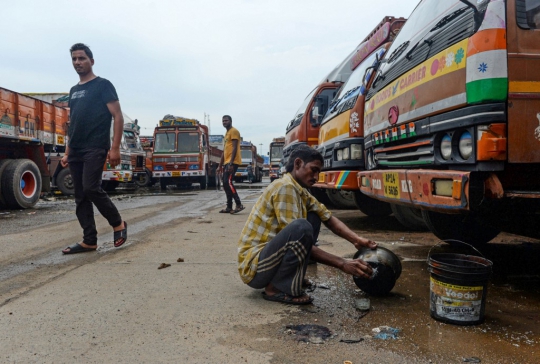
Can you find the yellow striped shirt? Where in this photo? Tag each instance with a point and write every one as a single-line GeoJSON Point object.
{"type": "Point", "coordinates": [280, 204]}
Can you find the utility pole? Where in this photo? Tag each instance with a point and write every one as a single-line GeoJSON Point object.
{"type": "Point", "coordinates": [261, 149]}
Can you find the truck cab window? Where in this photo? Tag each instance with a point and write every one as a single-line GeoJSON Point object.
{"type": "Point", "coordinates": [532, 13]}
{"type": "Point", "coordinates": [164, 142]}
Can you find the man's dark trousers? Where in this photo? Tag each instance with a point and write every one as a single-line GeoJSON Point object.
{"type": "Point", "coordinates": [228, 186]}
{"type": "Point", "coordinates": [86, 166]}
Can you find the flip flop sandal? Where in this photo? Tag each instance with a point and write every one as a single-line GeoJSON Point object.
{"type": "Point", "coordinates": [285, 298]}
{"type": "Point", "coordinates": [77, 248]}
{"type": "Point", "coordinates": [225, 211]}
{"type": "Point", "coordinates": [120, 236]}
{"type": "Point", "coordinates": [237, 209]}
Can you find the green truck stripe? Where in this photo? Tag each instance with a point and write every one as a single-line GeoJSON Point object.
{"type": "Point", "coordinates": [490, 89]}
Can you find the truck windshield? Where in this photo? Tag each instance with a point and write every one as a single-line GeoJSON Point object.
{"type": "Point", "coordinates": [305, 104]}
{"type": "Point", "coordinates": [188, 143]}
{"type": "Point", "coordinates": [422, 19]}
{"type": "Point", "coordinates": [357, 77]}
{"type": "Point", "coordinates": [164, 142]}
{"type": "Point", "coordinates": [246, 154]}
{"type": "Point", "coordinates": [276, 152]}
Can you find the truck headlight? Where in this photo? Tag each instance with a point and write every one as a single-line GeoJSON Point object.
{"type": "Point", "coordinates": [465, 145]}
{"type": "Point", "coordinates": [346, 153]}
{"type": "Point", "coordinates": [446, 147]}
{"type": "Point", "coordinates": [356, 151]}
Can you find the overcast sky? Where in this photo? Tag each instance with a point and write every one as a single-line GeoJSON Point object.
{"type": "Point", "coordinates": [255, 60]}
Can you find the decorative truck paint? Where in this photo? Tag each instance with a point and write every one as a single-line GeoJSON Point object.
{"type": "Point", "coordinates": [450, 120]}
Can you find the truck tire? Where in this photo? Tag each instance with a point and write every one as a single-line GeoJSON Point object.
{"type": "Point", "coordinates": [145, 180]}
{"type": "Point", "coordinates": [341, 199]}
{"type": "Point", "coordinates": [371, 206]}
{"type": "Point", "coordinates": [109, 186]}
{"type": "Point", "coordinates": [409, 217]}
{"type": "Point", "coordinates": [64, 182]}
{"type": "Point", "coordinates": [3, 164]}
{"type": "Point", "coordinates": [163, 184]}
{"type": "Point", "coordinates": [203, 181]}
{"type": "Point", "coordinates": [465, 228]}
{"type": "Point", "coordinates": [320, 195]}
{"type": "Point", "coordinates": [21, 184]}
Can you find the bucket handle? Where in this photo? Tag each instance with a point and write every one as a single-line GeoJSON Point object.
{"type": "Point", "coordinates": [453, 241]}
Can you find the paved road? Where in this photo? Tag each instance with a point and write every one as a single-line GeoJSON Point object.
{"type": "Point", "coordinates": [115, 305]}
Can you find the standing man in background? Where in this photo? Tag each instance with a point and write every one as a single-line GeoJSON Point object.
{"type": "Point", "coordinates": [230, 160]}
{"type": "Point", "coordinates": [93, 103]}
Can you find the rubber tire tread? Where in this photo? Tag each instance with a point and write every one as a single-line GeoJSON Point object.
{"type": "Point", "coordinates": [11, 178]}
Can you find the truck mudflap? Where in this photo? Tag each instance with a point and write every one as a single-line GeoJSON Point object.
{"type": "Point", "coordinates": [338, 180]}
{"type": "Point", "coordinates": [120, 176]}
{"type": "Point", "coordinates": [189, 173]}
{"type": "Point", "coordinates": [434, 190]}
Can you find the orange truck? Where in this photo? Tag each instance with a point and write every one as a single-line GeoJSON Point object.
{"type": "Point", "coordinates": [182, 154]}
{"type": "Point", "coordinates": [341, 132]}
{"type": "Point", "coordinates": [31, 131]}
{"type": "Point", "coordinates": [275, 155]}
{"type": "Point", "coordinates": [147, 144]}
{"type": "Point", "coordinates": [304, 126]}
{"type": "Point", "coordinates": [451, 121]}
{"type": "Point", "coordinates": [249, 156]}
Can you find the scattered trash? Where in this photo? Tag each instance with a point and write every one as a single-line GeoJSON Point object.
{"type": "Point", "coordinates": [347, 362]}
{"type": "Point", "coordinates": [323, 286]}
{"type": "Point", "coordinates": [314, 334]}
{"type": "Point", "coordinates": [351, 341]}
{"type": "Point", "coordinates": [472, 359]}
{"type": "Point", "coordinates": [163, 265]}
{"type": "Point", "coordinates": [362, 304]}
{"type": "Point", "coordinates": [385, 332]}
{"type": "Point", "coordinates": [180, 260]}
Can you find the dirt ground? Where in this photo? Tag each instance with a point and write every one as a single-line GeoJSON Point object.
{"type": "Point", "coordinates": [115, 305]}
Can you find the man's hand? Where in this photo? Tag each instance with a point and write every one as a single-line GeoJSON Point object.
{"type": "Point", "coordinates": [363, 242]}
{"type": "Point", "coordinates": [114, 157]}
{"type": "Point", "coordinates": [64, 161]}
{"type": "Point", "coordinates": [357, 268]}
{"type": "Point", "coordinates": [230, 169]}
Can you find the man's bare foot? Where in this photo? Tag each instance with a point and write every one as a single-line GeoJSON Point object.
{"type": "Point", "coordinates": [272, 294]}
{"type": "Point", "coordinates": [119, 227]}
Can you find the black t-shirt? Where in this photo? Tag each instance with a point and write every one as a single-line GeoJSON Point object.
{"type": "Point", "coordinates": [90, 119]}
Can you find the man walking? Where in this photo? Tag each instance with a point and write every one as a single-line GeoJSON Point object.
{"type": "Point", "coordinates": [230, 160]}
{"type": "Point", "coordinates": [279, 236]}
{"type": "Point", "coordinates": [93, 103]}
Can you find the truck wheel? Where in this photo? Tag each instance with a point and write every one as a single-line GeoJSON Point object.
{"type": "Point", "coordinates": [320, 195]}
{"type": "Point", "coordinates": [144, 180]}
{"type": "Point", "coordinates": [371, 206]}
{"type": "Point", "coordinates": [21, 184]}
{"type": "Point", "coordinates": [64, 182]}
{"type": "Point", "coordinates": [203, 181]}
{"type": "Point", "coordinates": [409, 217]}
{"type": "Point", "coordinates": [163, 183]}
{"type": "Point", "coordinates": [460, 227]}
{"type": "Point", "coordinates": [3, 164]}
{"type": "Point", "coordinates": [341, 199]}
{"type": "Point", "coordinates": [109, 186]}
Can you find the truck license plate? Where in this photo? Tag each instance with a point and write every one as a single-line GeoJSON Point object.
{"type": "Point", "coordinates": [391, 185]}
{"type": "Point", "coordinates": [176, 174]}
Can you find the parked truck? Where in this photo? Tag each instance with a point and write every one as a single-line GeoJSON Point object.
{"type": "Point", "coordinates": [452, 119]}
{"type": "Point", "coordinates": [182, 154]}
{"type": "Point", "coordinates": [304, 127]}
{"type": "Point", "coordinates": [30, 130]}
{"type": "Point", "coordinates": [275, 156]}
{"type": "Point", "coordinates": [147, 144]}
{"type": "Point", "coordinates": [249, 156]}
{"type": "Point", "coordinates": [341, 134]}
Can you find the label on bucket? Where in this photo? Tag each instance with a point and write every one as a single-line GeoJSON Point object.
{"type": "Point", "coordinates": [453, 302]}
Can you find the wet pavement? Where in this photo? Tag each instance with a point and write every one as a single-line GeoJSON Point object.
{"type": "Point", "coordinates": [334, 326]}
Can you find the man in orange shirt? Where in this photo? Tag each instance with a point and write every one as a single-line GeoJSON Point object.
{"type": "Point", "coordinates": [230, 160]}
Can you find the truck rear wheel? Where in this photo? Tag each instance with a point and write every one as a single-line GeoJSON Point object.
{"type": "Point", "coordinates": [341, 199]}
{"type": "Point", "coordinates": [144, 180]}
{"type": "Point", "coordinates": [3, 164]}
{"type": "Point", "coordinates": [460, 227]}
{"type": "Point", "coordinates": [64, 182]}
{"type": "Point", "coordinates": [371, 206]}
{"type": "Point", "coordinates": [21, 184]}
{"type": "Point", "coordinates": [409, 217]}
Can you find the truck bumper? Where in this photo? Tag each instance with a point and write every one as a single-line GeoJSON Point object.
{"type": "Point", "coordinates": [443, 191]}
{"type": "Point", "coordinates": [120, 176]}
{"type": "Point", "coordinates": [188, 173]}
{"type": "Point", "coordinates": [338, 180]}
